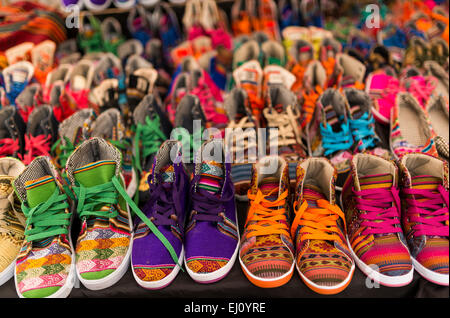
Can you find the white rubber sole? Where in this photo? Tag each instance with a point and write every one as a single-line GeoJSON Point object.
{"type": "Point", "coordinates": [166, 281]}
{"type": "Point", "coordinates": [7, 273]}
{"type": "Point", "coordinates": [214, 276]}
{"type": "Point", "coordinates": [436, 278]}
{"type": "Point", "coordinates": [389, 281]}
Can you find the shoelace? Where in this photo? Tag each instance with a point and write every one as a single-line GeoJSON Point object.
{"type": "Point", "coordinates": [317, 223]}
{"type": "Point", "coordinates": [299, 72]}
{"type": "Point", "coordinates": [208, 207]}
{"type": "Point", "coordinates": [421, 89]}
{"type": "Point", "coordinates": [207, 99]}
{"type": "Point", "coordinates": [188, 142]}
{"type": "Point", "coordinates": [163, 197]}
{"type": "Point", "coordinates": [148, 136]}
{"type": "Point", "coordinates": [256, 103]}
{"type": "Point", "coordinates": [48, 218]}
{"type": "Point", "coordinates": [309, 104]}
{"type": "Point", "coordinates": [65, 150]}
{"type": "Point", "coordinates": [363, 131]}
{"type": "Point", "coordinates": [35, 146]}
{"type": "Point", "coordinates": [10, 147]}
{"type": "Point", "coordinates": [329, 65]}
{"type": "Point", "coordinates": [288, 132]}
{"type": "Point", "coordinates": [108, 194]}
{"type": "Point", "coordinates": [381, 208]}
{"type": "Point", "coordinates": [335, 141]}
{"type": "Point", "coordinates": [246, 140]}
{"type": "Point", "coordinates": [266, 217]}
{"type": "Point", "coordinates": [429, 209]}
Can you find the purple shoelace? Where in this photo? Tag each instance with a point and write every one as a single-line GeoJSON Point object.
{"type": "Point", "coordinates": [165, 201]}
{"type": "Point", "coordinates": [429, 210]}
{"type": "Point", "coordinates": [210, 206]}
{"type": "Point", "coordinates": [381, 217]}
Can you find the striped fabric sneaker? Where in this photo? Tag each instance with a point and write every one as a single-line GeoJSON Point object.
{"type": "Point", "coordinates": [211, 235]}
{"type": "Point", "coordinates": [323, 259]}
{"type": "Point", "coordinates": [45, 266]}
{"type": "Point", "coordinates": [266, 251]}
{"type": "Point", "coordinates": [410, 129]}
{"type": "Point", "coordinates": [12, 221]}
{"type": "Point", "coordinates": [241, 138]}
{"type": "Point", "coordinates": [103, 246]}
{"type": "Point", "coordinates": [425, 215]}
{"type": "Point", "coordinates": [370, 199]}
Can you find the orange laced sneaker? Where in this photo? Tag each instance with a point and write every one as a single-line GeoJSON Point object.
{"type": "Point", "coordinates": [309, 105]}
{"type": "Point", "coordinates": [266, 252]}
{"type": "Point", "coordinates": [323, 258]}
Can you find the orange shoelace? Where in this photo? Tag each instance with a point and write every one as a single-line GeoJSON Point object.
{"type": "Point", "coordinates": [329, 65]}
{"type": "Point", "coordinates": [317, 223]}
{"type": "Point", "coordinates": [309, 104]}
{"type": "Point", "coordinates": [266, 214]}
{"type": "Point", "coordinates": [256, 104]}
{"type": "Point", "coordinates": [299, 72]}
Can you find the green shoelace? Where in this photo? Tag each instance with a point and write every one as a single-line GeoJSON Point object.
{"type": "Point", "coordinates": [148, 136]}
{"type": "Point", "coordinates": [65, 150]}
{"type": "Point", "coordinates": [107, 194]}
{"type": "Point", "coordinates": [47, 218]}
{"type": "Point", "coordinates": [188, 142]}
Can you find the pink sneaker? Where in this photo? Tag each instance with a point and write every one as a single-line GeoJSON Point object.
{"type": "Point", "coordinates": [80, 83]}
{"type": "Point", "coordinates": [383, 89]}
{"type": "Point", "coordinates": [421, 87]}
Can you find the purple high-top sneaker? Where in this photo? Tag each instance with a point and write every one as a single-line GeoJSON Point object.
{"type": "Point", "coordinates": [153, 266]}
{"type": "Point", "coordinates": [211, 236]}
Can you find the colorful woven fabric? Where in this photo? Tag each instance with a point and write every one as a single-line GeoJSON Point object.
{"type": "Point", "coordinates": [211, 177]}
{"type": "Point", "coordinates": [43, 266]}
{"type": "Point", "coordinates": [103, 242]}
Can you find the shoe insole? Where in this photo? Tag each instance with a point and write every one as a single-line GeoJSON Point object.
{"type": "Point", "coordinates": [440, 122]}
{"type": "Point", "coordinates": [412, 127]}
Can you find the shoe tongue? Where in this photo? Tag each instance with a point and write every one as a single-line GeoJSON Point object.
{"type": "Point", "coordinates": [356, 112]}
{"type": "Point", "coordinates": [332, 118]}
{"type": "Point", "coordinates": [311, 194]}
{"type": "Point", "coordinates": [167, 174]}
{"type": "Point", "coordinates": [267, 185]}
{"type": "Point", "coordinates": [95, 173]}
{"type": "Point", "coordinates": [376, 181]}
{"type": "Point", "coordinates": [39, 190]}
{"type": "Point", "coordinates": [426, 182]}
{"type": "Point", "coordinates": [211, 177]}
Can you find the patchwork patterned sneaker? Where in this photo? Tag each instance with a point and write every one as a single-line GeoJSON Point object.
{"type": "Point", "coordinates": [329, 133]}
{"type": "Point", "coordinates": [30, 98]}
{"type": "Point", "coordinates": [153, 265]}
{"type": "Point", "coordinates": [410, 128]}
{"type": "Point", "coordinates": [277, 75]}
{"type": "Point", "coordinates": [362, 123]}
{"type": "Point", "coordinates": [45, 266]}
{"type": "Point", "coordinates": [43, 59]}
{"type": "Point", "coordinates": [300, 55]}
{"type": "Point", "coordinates": [382, 88]}
{"type": "Point", "coordinates": [349, 72]}
{"type": "Point", "coordinates": [425, 214]}
{"type": "Point", "coordinates": [42, 132]}
{"type": "Point", "coordinates": [190, 123]}
{"type": "Point", "coordinates": [12, 221]}
{"type": "Point", "coordinates": [266, 252]}
{"type": "Point", "coordinates": [104, 244]}
{"type": "Point", "coordinates": [246, 52]}
{"type": "Point", "coordinates": [371, 202]}
{"type": "Point", "coordinates": [283, 114]}
{"type": "Point", "coordinates": [314, 82]}
{"type": "Point", "coordinates": [437, 110]}
{"type": "Point", "coordinates": [249, 76]}
{"type": "Point", "coordinates": [61, 73]}
{"type": "Point", "coordinates": [152, 128]}
{"type": "Point", "coordinates": [141, 80]}
{"type": "Point", "coordinates": [241, 137]}
{"type": "Point", "coordinates": [433, 69]}
{"type": "Point", "coordinates": [111, 34]}
{"type": "Point", "coordinates": [109, 125]}
{"type": "Point", "coordinates": [273, 53]}
{"type": "Point", "coordinates": [211, 236]}
{"type": "Point", "coordinates": [71, 133]}
{"type": "Point", "coordinates": [12, 132]}
{"type": "Point", "coordinates": [80, 83]}
{"type": "Point", "coordinates": [16, 77]}
{"type": "Point", "coordinates": [323, 259]}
